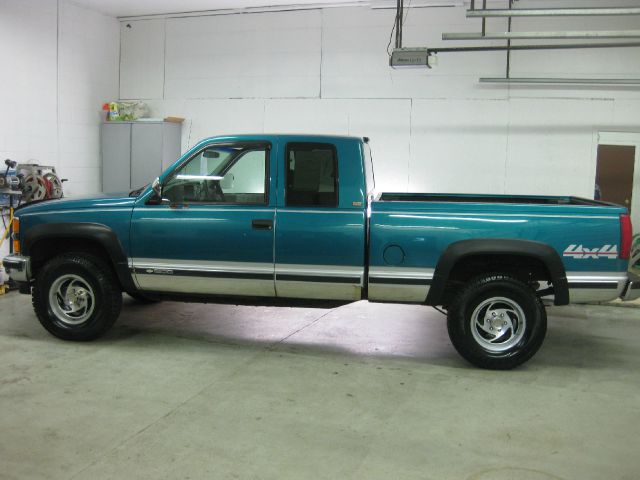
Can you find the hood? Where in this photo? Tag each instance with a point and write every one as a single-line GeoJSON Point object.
{"type": "Point", "coordinates": [102, 200]}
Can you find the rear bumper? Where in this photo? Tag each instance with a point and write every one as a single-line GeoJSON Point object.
{"type": "Point", "coordinates": [632, 288]}
{"type": "Point", "coordinates": [18, 267]}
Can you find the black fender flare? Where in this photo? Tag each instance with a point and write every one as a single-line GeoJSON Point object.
{"type": "Point", "coordinates": [97, 232]}
{"type": "Point", "coordinates": [499, 246]}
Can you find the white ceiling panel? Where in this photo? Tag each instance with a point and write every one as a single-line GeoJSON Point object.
{"type": "Point", "coordinates": [131, 8]}
{"type": "Point", "coordinates": [128, 8]}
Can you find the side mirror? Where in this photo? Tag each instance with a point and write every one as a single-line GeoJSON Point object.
{"type": "Point", "coordinates": [157, 187]}
{"type": "Point", "coordinates": [156, 198]}
{"type": "Point", "coordinates": [227, 182]}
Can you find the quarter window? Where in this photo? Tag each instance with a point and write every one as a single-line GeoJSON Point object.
{"type": "Point", "coordinates": [312, 175]}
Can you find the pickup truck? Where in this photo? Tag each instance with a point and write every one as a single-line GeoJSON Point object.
{"type": "Point", "coordinates": [248, 218]}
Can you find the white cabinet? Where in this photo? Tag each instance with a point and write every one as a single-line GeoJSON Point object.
{"type": "Point", "coordinates": [134, 153]}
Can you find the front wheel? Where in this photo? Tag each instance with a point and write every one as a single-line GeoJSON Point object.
{"type": "Point", "coordinates": [76, 297]}
{"type": "Point", "coordinates": [497, 322]}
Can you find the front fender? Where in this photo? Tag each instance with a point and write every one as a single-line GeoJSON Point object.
{"type": "Point", "coordinates": [97, 232]}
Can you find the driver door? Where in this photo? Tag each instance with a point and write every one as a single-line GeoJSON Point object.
{"type": "Point", "coordinates": [215, 237]}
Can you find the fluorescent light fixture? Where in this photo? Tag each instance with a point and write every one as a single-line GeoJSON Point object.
{"type": "Point", "coordinates": [570, 81]}
{"type": "Point", "coordinates": [542, 35]}
{"type": "Point", "coordinates": [553, 12]}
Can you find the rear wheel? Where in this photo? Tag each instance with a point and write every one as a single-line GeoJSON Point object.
{"type": "Point", "coordinates": [76, 297]}
{"type": "Point", "coordinates": [497, 322]}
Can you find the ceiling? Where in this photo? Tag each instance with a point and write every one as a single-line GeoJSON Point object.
{"type": "Point", "coordinates": [126, 8]}
{"type": "Point", "coordinates": [129, 8]}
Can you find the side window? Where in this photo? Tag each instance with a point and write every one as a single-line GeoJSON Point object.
{"type": "Point", "coordinates": [312, 175]}
{"type": "Point", "coordinates": [233, 174]}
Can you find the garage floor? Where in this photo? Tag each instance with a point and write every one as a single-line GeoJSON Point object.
{"type": "Point", "coordinates": [363, 391]}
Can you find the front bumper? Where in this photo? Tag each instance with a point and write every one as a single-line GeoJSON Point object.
{"type": "Point", "coordinates": [632, 289]}
{"type": "Point", "coordinates": [18, 267]}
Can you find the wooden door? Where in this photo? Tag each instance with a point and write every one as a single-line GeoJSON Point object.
{"type": "Point", "coordinates": [614, 174]}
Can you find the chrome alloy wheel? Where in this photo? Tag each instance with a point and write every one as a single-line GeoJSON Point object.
{"type": "Point", "coordinates": [71, 299]}
{"type": "Point", "coordinates": [497, 324]}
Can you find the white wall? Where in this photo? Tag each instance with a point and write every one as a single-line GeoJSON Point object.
{"type": "Point", "coordinates": [59, 64]}
{"type": "Point", "coordinates": [326, 71]}
{"type": "Point", "coordinates": [88, 67]}
{"type": "Point", "coordinates": [28, 87]}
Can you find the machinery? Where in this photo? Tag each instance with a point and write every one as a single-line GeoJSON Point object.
{"type": "Point", "coordinates": [32, 182]}
{"type": "Point", "coordinates": [20, 184]}
{"type": "Point", "coordinates": [8, 179]}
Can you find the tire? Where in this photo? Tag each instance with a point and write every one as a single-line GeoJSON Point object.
{"type": "Point", "coordinates": [512, 326]}
{"type": "Point", "coordinates": [142, 298]}
{"type": "Point", "coordinates": [90, 284]}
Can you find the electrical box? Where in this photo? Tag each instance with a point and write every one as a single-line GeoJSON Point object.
{"type": "Point", "coordinates": [409, 57]}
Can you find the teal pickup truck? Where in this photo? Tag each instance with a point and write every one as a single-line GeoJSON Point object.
{"type": "Point", "coordinates": [257, 217]}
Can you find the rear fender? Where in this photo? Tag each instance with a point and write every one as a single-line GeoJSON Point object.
{"type": "Point", "coordinates": [458, 251]}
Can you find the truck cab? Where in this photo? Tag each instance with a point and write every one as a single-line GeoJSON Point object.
{"type": "Point", "coordinates": [266, 216]}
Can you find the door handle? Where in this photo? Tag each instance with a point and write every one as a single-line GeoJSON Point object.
{"type": "Point", "coordinates": [262, 224]}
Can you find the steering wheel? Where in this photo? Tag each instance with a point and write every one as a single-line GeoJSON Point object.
{"type": "Point", "coordinates": [212, 191]}
{"type": "Point", "coordinates": [217, 191]}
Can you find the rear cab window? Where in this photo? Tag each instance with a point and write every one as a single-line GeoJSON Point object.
{"type": "Point", "coordinates": [312, 175]}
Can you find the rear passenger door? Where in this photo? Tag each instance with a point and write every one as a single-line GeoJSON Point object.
{"type": "Point", "coordinates": [319, 244]}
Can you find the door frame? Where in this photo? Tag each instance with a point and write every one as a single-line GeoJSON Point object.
{"type": "Point", "coordinates": [315, 279]}
{"type": "Point", "coordinates": [628, 139]}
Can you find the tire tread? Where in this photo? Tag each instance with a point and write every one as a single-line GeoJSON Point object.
{"type": "Point", "coordinates": [456, 317]}
{"type": "Point", "coordinates": [110, 306]}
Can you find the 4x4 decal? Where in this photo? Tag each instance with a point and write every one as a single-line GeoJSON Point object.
{"type": "Point", "coordinates": [580, 252]}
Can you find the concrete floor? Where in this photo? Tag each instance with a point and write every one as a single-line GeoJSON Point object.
{"type": "Point", "coordinates": [363, 391]}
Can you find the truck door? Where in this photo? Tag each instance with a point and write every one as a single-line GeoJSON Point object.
{"type": "Point", "coordinates": [216, 235]}
{"type": "Point", "coordinates": [320, 229]}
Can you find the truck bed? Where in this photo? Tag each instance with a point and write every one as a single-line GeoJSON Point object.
{"type": "Point", "coordinates": [471, 198]}
{"type": "Point", "coordinates": [410, 232]}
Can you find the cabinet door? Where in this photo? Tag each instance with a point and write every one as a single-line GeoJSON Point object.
{"type": "Point", "coordinates": [172, 133]}
{"type": "Point", "coordinates": [116, 157]}
{"type": "Point", "coordinates": [146, 153]}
